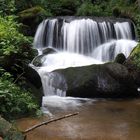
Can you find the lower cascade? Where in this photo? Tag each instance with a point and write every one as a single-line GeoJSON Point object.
{"type": "Point", "coordinates": [77, 42]}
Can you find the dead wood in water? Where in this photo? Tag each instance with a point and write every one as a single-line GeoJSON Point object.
{"type": "Point", "coordinates": [46, 122]}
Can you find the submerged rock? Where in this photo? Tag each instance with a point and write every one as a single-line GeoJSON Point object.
{"type": "Point", "coordinates": [8, 132]}
{"type": "Point", "coordinates": [107, 80]}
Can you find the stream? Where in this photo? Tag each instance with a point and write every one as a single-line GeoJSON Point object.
{"type": "Point", "coordinates": [98, 119]}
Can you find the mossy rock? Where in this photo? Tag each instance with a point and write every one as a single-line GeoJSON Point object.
{"type": "Point", "coordinates": [33, 12]}
{"type": "Point", "coordinates": [8, 132]}
{"type": "Point", "coordinates": [120, 58]}
{"type": "Point", "coordinates": [133, 61]}
{"type": "Point", "coordinates": [133, 64]}
{"type": "Point", "coordinates": [31, 18]}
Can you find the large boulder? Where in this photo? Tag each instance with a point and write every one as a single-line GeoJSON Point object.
{"type": "Point", "coordinates": [107, 80]}
{"type": "Point", "coordinates": [8, 132]}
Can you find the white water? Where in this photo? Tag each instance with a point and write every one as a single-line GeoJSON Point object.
{"type": "Point", "coordinates": [78, 43]}
{"type": "Point", "coordinates": [114, 47]}
{"type": "Point", "coordinates": [80, 36]}
{"type": "Point", "coordinates": [60, 60]}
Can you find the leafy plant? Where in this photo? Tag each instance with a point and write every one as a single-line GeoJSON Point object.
{"type": "Point", "coordinates": [15, 48]}
{"type": "Point", "coordinates": [88, 9]}
{"type": "Point", "coordinates": [14, 101]}
{"type": "Point", "coordinates": [7, 7]}
{"type": "Point", "coordinates": [137, 23]}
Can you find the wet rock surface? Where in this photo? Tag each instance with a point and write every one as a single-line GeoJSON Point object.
{"type": "Point", "coordinates": [8, 132]}
{"type": "Point", "coordinates": [107, 80]}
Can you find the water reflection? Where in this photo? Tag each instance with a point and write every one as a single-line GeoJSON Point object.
{"type": "Point", "coordinates": [97, 120]}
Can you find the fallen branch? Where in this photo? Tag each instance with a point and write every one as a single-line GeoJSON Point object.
{"type": "Point", "coordinates": [46, 122]}
{"type": "Point", "coordinates": [19, 77]}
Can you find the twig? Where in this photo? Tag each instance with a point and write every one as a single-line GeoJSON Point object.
{"type": "Point", "coordinates": [46, 122]}
{"type": "Point", "coordinates": [18, 77]}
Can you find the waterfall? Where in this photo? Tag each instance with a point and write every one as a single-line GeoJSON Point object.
{"type": "Point", "coordinates": [80, 36]}
{"type": "Point", "coordinates": [80, 42]}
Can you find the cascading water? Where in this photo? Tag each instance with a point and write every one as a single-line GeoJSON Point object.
{"type": "Point", "coordinates": [80, 42]}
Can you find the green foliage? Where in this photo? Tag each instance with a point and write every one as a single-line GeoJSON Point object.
{"type": "Point", "coordinates": [10, 38]}
{"type": "Point", "coordinates": [137, 23]}
{"type": "Point", "coordinates": [15, 51]}
{"type": "Point", "coordinates": [135, 56]}
{"type": "Point", "coordinates": [88, 9]}
{"type": "Point", "coordinates": [33, 12]}
{"type": "Point", "coordinates": [14, 101]}
{"type": "Point", "coordinates": [61, 7]}
{"type": "Point", "coordinates": [7, 7]}
{"type": "Point", "coordinates": [14, 47]}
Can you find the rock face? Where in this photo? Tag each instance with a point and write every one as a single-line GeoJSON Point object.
{"type": "Point", "coordinates": [34, 83]}
{"type": "Point", "coordinates": [107, 80]}
{"type": "Point", "coordinates": [8, 132]}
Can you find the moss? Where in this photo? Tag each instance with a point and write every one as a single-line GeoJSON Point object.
{"type": "Point", "coordinates": [136, 50]}
{"type": "Point", "coordinates": [31, 18]}
{"type": "Point", "coordinates": [135, 56]}
{"type": "Point", "coordinates": [33, 12]}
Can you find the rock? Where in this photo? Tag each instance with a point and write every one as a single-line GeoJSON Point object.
{"type": "Point", "coordinates": [8, 132]}
{"type": "Point", "coordinates": [107, 80]}
{"type": "Point", "coordinates": [38, 60]}
{"type": "Point", "coordinates": [33, 82]}
{"type": "Point", "coordinates": [120, 58]}
{"type": "Point", "coordinates": [48, 50]}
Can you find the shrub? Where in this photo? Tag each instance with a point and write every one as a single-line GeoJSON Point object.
{"type": "Point", "coordinates": [7, 7]}
{"type": "Point", "coordinates": [14, 101]}
{"type": "Point", "coordinates": [62, 7]}
{"type": "Point", "coordinates": [15, 48]}
{"type": "Point", "coordinates": [137, 23]}
{"type": "Point", "coordinates": [88, 9]}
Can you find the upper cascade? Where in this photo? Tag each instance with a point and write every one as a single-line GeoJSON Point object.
{"type": "Point", "coordinates": [81, 35]}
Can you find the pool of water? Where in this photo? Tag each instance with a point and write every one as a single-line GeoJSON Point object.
{"type": "Point", "coordinates": [97, 120]}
